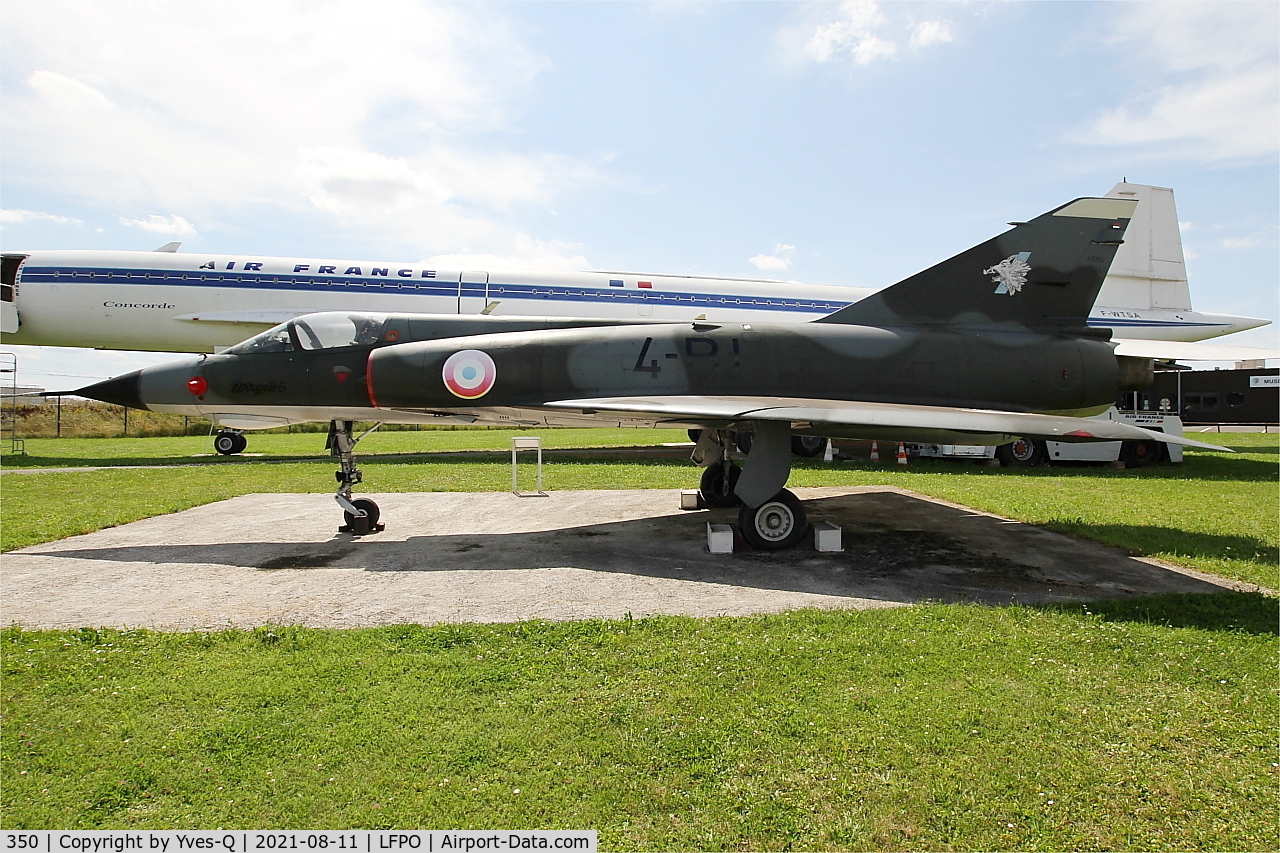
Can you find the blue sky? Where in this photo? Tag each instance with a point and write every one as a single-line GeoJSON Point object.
{"type": "Point", "coordinates": [834, 143]}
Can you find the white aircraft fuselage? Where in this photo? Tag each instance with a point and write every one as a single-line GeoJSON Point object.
{"type": "Point", "coordinates": [184, 302]}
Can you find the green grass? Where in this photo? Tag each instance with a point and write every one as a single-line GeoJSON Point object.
{"type": "Point", "coordinates": [1146, 724]}
{"type": "Point", "coordinates": [1216, 512]}
{"type": "Point", "coordinates": [187, 450]}
{"type": "Point", "coordinates": [935, 727]}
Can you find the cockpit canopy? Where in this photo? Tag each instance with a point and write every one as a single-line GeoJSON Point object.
{"type": "Point", "coordinates": [330, 330]}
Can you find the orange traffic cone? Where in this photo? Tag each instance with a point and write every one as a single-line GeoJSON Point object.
{"type": "Point", "coordinates": [902, 453]}
{"type": "Point", "coordinates": [875, 451]}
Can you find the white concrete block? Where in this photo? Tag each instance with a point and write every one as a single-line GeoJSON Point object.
{"type": "Point", "coordinates": [689, 499]}
{"type": "Point", "coordinates": [826, 536]}
{"type": "Point", "coordinates": [720, 538]}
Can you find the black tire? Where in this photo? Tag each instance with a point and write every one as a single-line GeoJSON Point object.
{"type": "Point", "coordinates": [228, 443]}
{"type": "Point", "coordinates": [743, 440]}
{"type": "Point", "coordinates": [778, 523]}
{"type": "Point", "coordinates": [1139, 454]}
{"type": "Point", "coordinates": [1022, 453]}
{"type": "Point", "coordinates": [808, 445]}
{"type": "Point", "coordinates": [242, 441]}
{"type": "Point", "coordinates": [361, 526]}
{"type": "Point", "coordinates": [694, 435]}
{"type": "Point", "coordinates": [716, 486]}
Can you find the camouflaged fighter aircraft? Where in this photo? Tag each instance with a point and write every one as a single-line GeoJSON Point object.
{"type": "Point", "coordinates": [980, 349]}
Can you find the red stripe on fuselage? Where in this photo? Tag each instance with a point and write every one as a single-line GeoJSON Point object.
{"type": "Point", "coordinates": [368, 379]}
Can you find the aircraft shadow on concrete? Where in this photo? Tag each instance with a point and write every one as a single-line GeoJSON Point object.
{"type": "Point", "coordinates": [897, 548]}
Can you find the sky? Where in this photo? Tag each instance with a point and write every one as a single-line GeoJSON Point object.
{"type": "Point", "coordinates": [849, 143]}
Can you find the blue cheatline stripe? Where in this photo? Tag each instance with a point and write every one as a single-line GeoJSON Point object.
{"type": "Point", "coordinates": [426, 287]}
{"type": "Point", "coordinates": [1109, 322]}
{"type": "Point", "coordinates": [498, 290]}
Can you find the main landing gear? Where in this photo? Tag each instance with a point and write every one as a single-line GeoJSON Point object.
{"type": "Point", "coordinates": [770, 517]}
{"type": "Point", "coordinates": [778, 523]}
{"type": "Point", "coordinates": [361, 514]}
{"type": "Point", "coordinates": [229, 442]}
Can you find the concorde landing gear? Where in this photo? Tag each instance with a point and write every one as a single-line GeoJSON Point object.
{"type": "Point", "coordinates": [360, 514]}
{"type": "Point", "coordinates": [229, 442]}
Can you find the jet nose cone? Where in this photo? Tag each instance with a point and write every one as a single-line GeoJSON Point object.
{"type": "Point", "coordinates": [121, 391]}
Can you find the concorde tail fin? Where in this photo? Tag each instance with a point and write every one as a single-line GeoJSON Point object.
{"type": "Point", "coordinates": [1043, 274]}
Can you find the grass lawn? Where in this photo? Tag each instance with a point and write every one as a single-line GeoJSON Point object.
{"type": "Point", "coordinates": [933, 727]}
{"type": "Point", "coordinates": [1216, 512]}
{"type": "Point", "coordinates": [187, 450]}
{"type": "Point", "coordinates": [1146, 724]}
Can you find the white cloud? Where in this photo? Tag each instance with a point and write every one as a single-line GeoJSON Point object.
{"type": "Point", "coordinates": [775, 262]}
{"type": "Point", "coordinates": [174, 225]}
{"type": "Point", "coordinates": [852, 33]}
{"type": "Point", "coordinates": [17, 214]}
{"type": "Point", "coordinates": [1251, 241]}
{"type": "Point", "coordinates": [930, 33]}
{"type": "Point", "coordinates": [860, 32]}
{"type": "Point", "coordinates": [366, 115]}
{"type": "Point", "coordinates": [1206, 80]}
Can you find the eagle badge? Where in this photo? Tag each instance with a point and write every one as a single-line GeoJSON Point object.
{"type": "Point", "coordinates": [1011, 273]}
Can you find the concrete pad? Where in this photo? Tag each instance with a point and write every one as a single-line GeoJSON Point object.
{"type": "Point", "coordinates": [496, 557]}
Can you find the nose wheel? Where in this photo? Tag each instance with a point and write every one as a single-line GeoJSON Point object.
{"type": "Point", "coordinates": [229, 442]}
{"type": "Point", "coordinates": [361, 514]}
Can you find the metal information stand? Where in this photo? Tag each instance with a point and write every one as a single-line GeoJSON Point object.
{"type": "Point", "coordinates": [526, 442]}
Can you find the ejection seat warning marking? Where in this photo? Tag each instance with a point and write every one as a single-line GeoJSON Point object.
{"type": "Point", "coordinates": [357, 841]}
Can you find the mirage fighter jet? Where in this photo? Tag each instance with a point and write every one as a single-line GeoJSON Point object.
{"type": "Point", "coordinates": [985, 347]}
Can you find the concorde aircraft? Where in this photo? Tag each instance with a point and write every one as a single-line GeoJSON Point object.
{"type": "Point", "coordinates": [168, 301]}
{"type": "Point", "coordinates": [984, 347]}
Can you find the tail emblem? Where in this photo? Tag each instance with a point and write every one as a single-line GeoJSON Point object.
{"type": "Point", "coordinates": [1011, 273]}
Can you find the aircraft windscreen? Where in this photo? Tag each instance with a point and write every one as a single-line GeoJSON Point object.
{"type": "Point", "coordinates": [275, 339]}
{"type": "Point", "coordinates": [326, 331]}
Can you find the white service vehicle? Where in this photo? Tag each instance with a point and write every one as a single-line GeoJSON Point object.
{"type": "Point", "coordinates": [1026, 452]}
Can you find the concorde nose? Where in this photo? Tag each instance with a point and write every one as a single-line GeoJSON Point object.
{"type": "Point", "coordinates": [121, 391]}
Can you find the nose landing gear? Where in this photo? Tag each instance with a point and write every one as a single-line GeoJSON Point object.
{"type": "Point", "coordinates": [229, 442]}
{"type": "Point", "coordinates": [361, 515]}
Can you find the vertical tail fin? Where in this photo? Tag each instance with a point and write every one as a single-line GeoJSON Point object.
{"type": "Point", "coordinates": [1149, 270]}
{"type": "Point", "coordinates": [1042, 274]}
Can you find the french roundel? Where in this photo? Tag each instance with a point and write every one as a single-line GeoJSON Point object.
{"type": "Point", "coordinates": [469, 374]}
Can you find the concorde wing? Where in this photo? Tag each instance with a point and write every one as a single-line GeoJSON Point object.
{"type": "Point", "coordinates": [895, 421]}
{"type": "Point", "coordinates": [1190, 350]}
{"type": "Point", "coordinates": [263, 319]}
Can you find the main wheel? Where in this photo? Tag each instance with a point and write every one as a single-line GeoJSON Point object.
{"type": "Point", "coordinates": [1139, 454]}
{"type": "Point", "coordinates": [778, 523]}
{"type": "Point", "coordinates": [1021, 453]}
{"type": "Point", "coordinates": [716, 486]}
{"type": "Point", "coordinates": [228, 443]}
{"type": "Point", "coordinates": [360, 526]}
{"type": "Point", "coordinates": [808, 445]}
